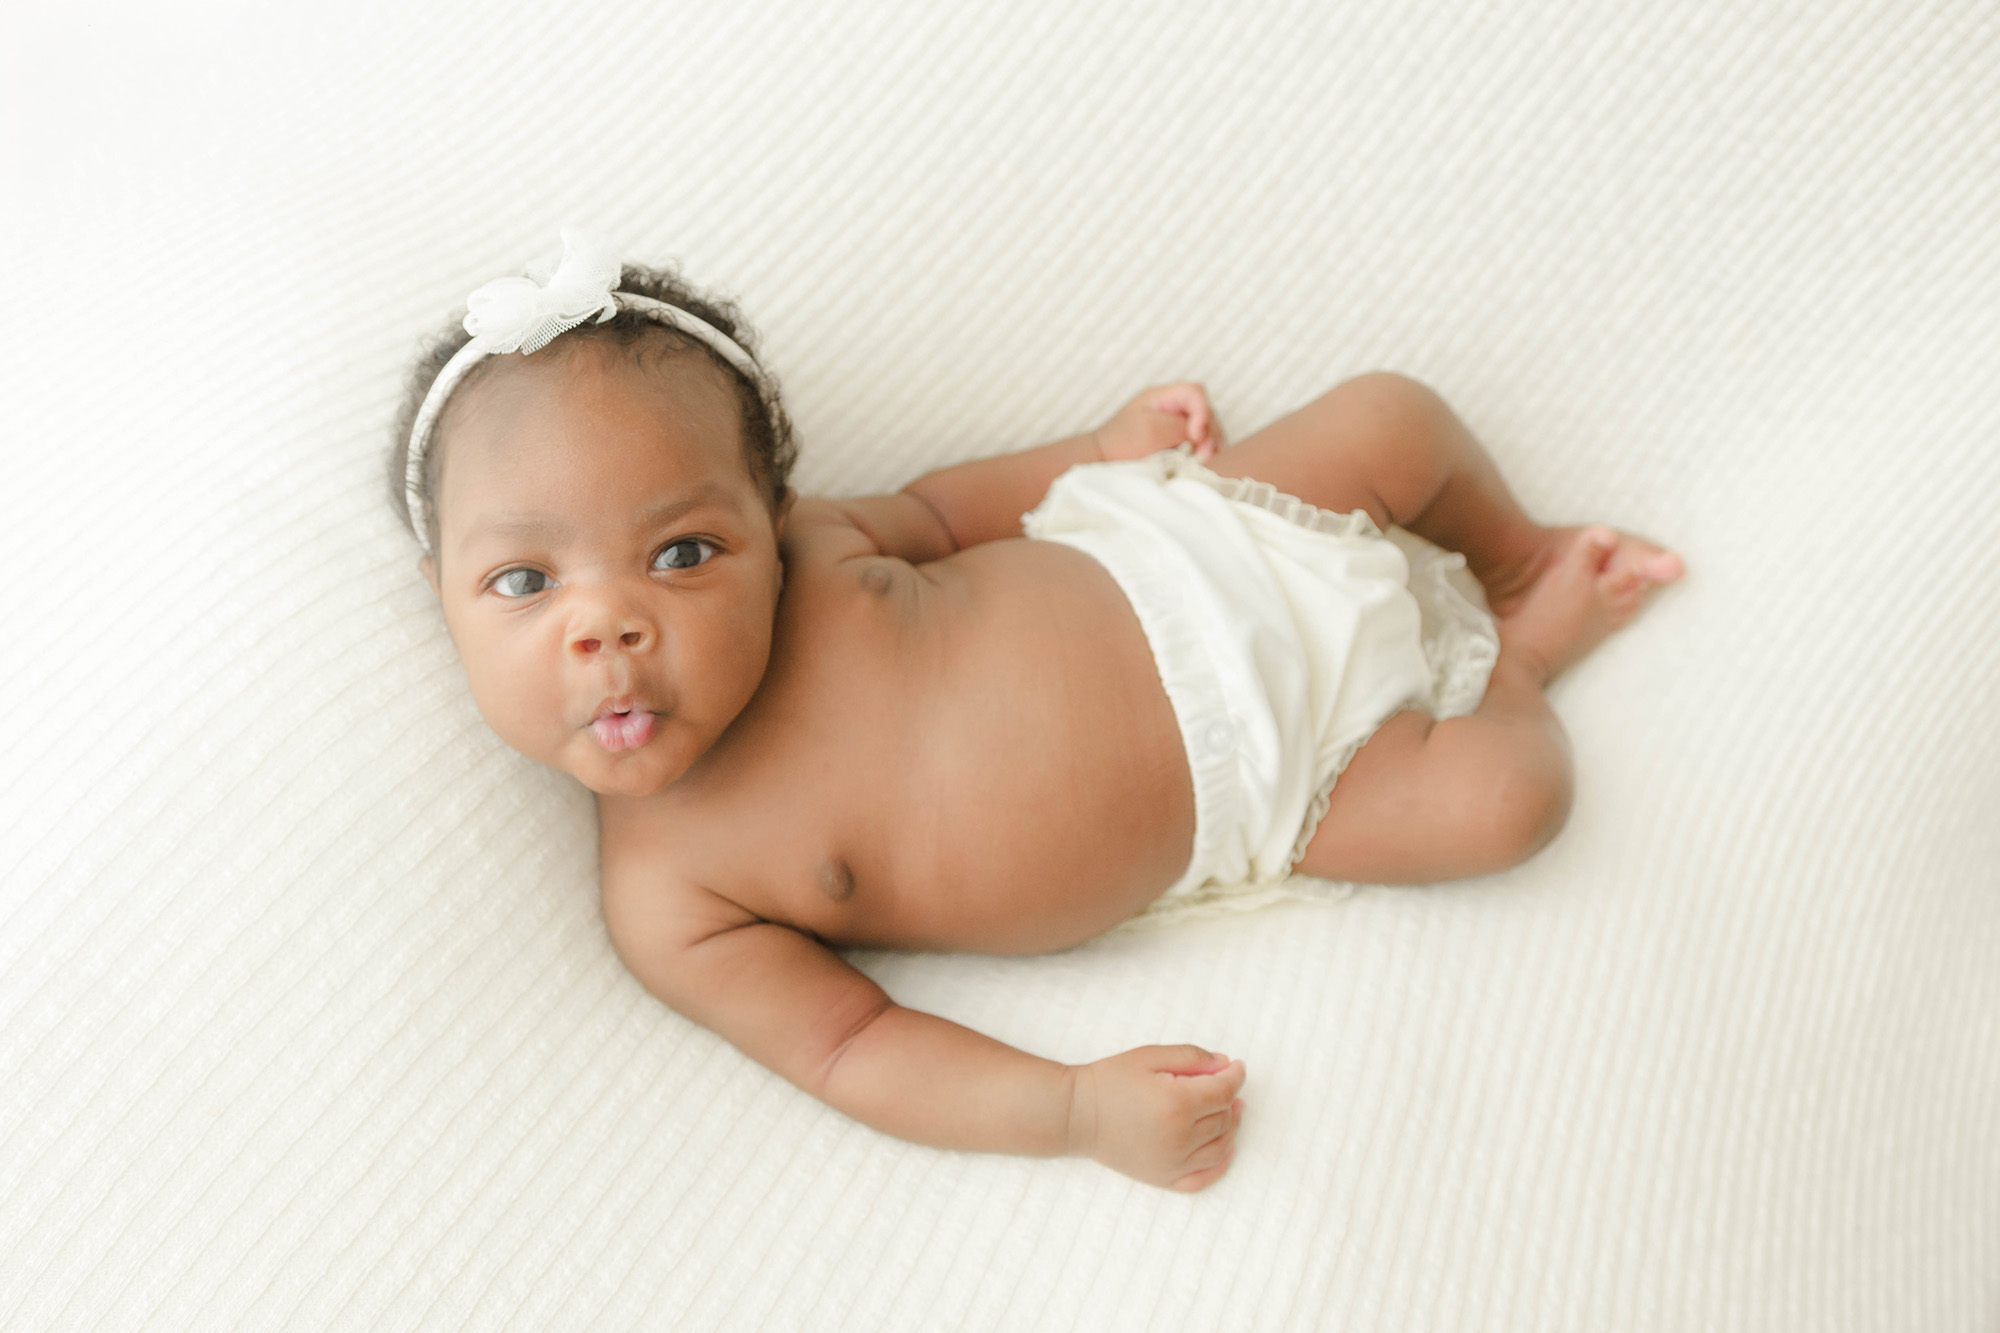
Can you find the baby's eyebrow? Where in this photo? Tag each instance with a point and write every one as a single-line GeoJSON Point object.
{"type": "Point", "coordinates": [551, 531]}
{"type": "Point", "coordinates": [555, 531]}
{"type": "Point", "coordinates": [669, 510]}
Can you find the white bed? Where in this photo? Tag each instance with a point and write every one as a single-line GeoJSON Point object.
{"type": "Point", "coordinates": [307, 1016]}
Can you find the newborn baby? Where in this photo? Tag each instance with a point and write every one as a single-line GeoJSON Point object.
{"type": "Point", "coordinates": [936, 720]}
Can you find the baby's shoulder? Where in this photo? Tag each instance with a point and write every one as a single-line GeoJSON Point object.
{"type": "Point", "coordinates": [898, 527]}
{"type": "Point", "coordinates": [844, 557]}
{"type": "Point", "coordinates": [650, 909]}
{"type": "Point", "coordinates": [824, 530]}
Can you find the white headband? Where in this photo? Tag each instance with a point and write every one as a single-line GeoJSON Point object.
{"type": "Point", "coordinates": [525, 315]}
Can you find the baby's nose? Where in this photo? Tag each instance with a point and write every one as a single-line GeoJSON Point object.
{"type": "Point", "coordinates": [635, 638]}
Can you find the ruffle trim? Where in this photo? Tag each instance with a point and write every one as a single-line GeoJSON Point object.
{"type": "Point", "coordinates": [1219, 900]}
{"type": "Point", "coordinates": [1181, 462]}
{"type": "Point", "coordinates": [1461, 640]}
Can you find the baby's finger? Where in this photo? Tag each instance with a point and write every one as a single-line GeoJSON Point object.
{"type": "Point", "coordinates": [1203, 1177]}
{"type": "Point", "coordinates": [1212, 1093]}
{"type": "Point", "coordinates": [1223, 1122]}
{"type": "Point", "coordinates": [1191, 401]}
{"type": "Point", "coordinates": [1184, 398]}
{"type": "Point", "coordinates": [1197, 415]}
{"type": "Point", "coordinates": [1213, 1153]}
{"type": "Point", "coordinates": [1190, 1061]}
{"type": "Point", "coordinates": [1212, 1124]}
{"type": "Point", "coordinates": [1194, 1181]}
{"type": "Point", "coordinates": [1229, 1079]}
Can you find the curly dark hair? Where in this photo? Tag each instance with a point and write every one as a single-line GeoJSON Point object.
{"type": "Point", "coordinates": [768, 445]}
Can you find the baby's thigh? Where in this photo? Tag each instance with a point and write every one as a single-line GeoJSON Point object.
{"type": "Point", "coordinates": [1417, 807]}
{"type": "Point", "coordinates": [1369, 443]}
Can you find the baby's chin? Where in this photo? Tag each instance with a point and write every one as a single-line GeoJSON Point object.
{"type": "Point", "coordinates": [625, 782]}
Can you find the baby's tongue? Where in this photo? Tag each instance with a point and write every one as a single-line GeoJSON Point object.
{"type": "Point", "coordinates": [623, 731]}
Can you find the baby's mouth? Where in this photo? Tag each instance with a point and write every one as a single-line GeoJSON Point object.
{"type": "Point", "coordinates": [626, 730]}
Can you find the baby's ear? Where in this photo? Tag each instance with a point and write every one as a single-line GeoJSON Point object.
{"type": "Point", "coordinates": [784, 512]}
{"type": "Point", "coordinates": [428, 568]}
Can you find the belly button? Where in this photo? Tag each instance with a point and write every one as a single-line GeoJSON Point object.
{"type": "Point", "coordinates": [836, 880]}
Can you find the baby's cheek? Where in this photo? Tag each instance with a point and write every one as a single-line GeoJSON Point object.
{"type": "Point", "coordinates": [738, 658]}
{"type": "Point", "coordinates": [517, 713]}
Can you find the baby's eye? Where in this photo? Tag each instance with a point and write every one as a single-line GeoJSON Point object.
{"type": "Point", "coordinates": [521, 583]}
{"type": "Point", "coordinates": [683, 554]}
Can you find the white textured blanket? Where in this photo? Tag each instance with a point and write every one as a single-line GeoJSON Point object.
{"type": "Point", "coordinates": [307, 1016]}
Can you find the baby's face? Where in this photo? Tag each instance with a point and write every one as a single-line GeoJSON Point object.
{"type": "Point", "coordinates": [604, 547]}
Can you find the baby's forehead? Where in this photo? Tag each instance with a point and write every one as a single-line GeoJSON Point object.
{"type": "Point", "coordinates": [534, 430]}
{"type": "Point", "coordinates": [579, 374]}
{"type": "Point", "coordinates": [592, 394]}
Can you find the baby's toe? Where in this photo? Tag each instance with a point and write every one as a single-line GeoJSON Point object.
{"type": "Point", "coordinates": [1644, 560]}
{"type": "Point", "coordinates": [1664, 567]}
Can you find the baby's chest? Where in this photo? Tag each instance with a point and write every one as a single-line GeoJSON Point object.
{"type": "Point", "coordinates": [980, 838]}
{"type": "Point", "coordinates": [795, 854]}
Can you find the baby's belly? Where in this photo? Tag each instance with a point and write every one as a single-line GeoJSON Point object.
{"type": "Point", "coordinates": [1048, 774]}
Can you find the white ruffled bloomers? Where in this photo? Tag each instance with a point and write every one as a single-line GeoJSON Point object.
{"type": "Point", "coordinates": [1285, 635]}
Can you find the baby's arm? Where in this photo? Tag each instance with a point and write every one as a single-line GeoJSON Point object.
{"type": "Point", "coordinates": [982, 501]}
{"type": "Point", "coordinates": [1161, 1114]}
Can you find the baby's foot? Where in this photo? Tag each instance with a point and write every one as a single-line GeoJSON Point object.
{"type": "Point", "coordinates": [1508, 587]}
{"type": "Point", "coordinates": [1588, 582]}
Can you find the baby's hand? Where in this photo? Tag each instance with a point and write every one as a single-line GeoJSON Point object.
{"type": "Point", "coordinates": [1161, 418]}
{"type": "Point", "coordinates": [1166, 1115]}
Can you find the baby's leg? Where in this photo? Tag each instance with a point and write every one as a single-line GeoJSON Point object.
{"type": "Point", "coordinates": [1387, 444]}
{"type": "Point", "coordinates": [1426, 800]}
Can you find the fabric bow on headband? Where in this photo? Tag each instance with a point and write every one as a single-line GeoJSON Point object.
{"type": "Point", "coordinates": [523, 315]}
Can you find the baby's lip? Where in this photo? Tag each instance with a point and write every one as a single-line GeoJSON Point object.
{"type": "Point", "coordinates": [623, 731]}
{"type": "Point", "coordinates": [623, 722]}
{"type": "Point", "coordinates": [623, 703]}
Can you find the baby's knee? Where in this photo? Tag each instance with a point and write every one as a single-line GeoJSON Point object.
{"type": "Point", "coordinates": [1389, 430]}
{"type": "Point", "coordinates": [1527, 803]}
{"type": "Point", "coordinates": [1397, 406]}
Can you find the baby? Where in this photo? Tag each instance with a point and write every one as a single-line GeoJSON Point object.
{"type": "Point", "coordinates": [936, 720]}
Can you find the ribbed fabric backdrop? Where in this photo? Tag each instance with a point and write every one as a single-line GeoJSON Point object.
{"type": "Point", "coordinates": [307, 1015]}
